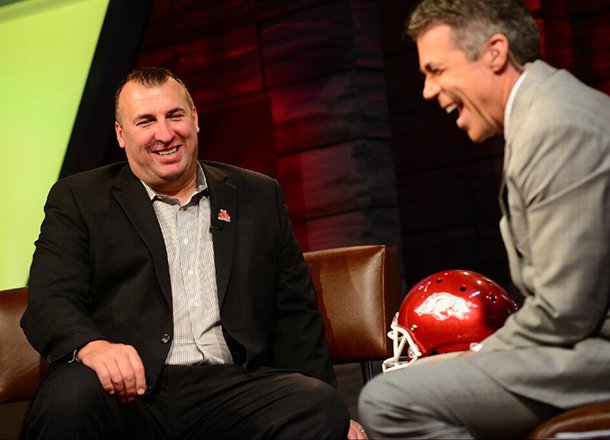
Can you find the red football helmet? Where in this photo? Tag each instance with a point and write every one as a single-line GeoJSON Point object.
{"type": "Point", "coordinates": [448, 311]}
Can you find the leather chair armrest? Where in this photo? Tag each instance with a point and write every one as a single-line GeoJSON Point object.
{"type": "Point", "coordinates": [21, 367]}
{"type": "Point", "coordinates": [589, 418]}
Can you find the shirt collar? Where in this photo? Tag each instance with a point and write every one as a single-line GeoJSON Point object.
{"type": "Point", "coordinates": [201, 186]}
{"type": "Point", "coordinates": [511, 99]}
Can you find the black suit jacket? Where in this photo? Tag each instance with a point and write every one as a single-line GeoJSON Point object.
{"type": "Point", "coordinates": [100, 271]}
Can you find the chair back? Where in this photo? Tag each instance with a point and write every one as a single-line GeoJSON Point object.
{"type": "Point", "coordinates": [359, 292]}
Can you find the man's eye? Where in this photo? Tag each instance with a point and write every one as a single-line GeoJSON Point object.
{"type": "Point", "coordinates": [143, 123]}
{"type": "Point", "coordinates": [177, 117]}
{"type": "Point", "coordinates": [433, 71]}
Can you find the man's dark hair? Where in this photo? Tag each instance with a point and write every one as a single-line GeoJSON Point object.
{"type": "Point", "coordinates": [473, 22]}
{"type": "Point", "coordinates": [149, 76]}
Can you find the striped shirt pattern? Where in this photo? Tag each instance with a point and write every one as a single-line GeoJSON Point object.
{"type": "Point", "coordinates": [198, 337]}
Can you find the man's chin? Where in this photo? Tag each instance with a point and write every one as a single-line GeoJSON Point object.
{"type": "Point", "coordinates": [477, 140]}
{"type": "Point", "coordinates": [169, 179]}
{"type": "Point", "coordinates": [478, 137]}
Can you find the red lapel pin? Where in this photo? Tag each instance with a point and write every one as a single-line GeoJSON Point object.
{"type": "Point", "coordinates": [224, 216]}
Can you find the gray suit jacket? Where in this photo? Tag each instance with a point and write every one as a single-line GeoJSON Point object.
{"type": "Point", "coordinates": [555, 199]}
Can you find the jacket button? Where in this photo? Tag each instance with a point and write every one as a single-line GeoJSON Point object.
{"type": "Point", "coordinates": [165, 338]}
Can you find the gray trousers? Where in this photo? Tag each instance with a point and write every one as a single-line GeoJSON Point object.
{"type": "Point", "coordinates": [445, 397]}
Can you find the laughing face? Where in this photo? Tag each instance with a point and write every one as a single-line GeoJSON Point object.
{"type": "Point", "coordinates": [158, 130]}
{"type": "Point", "coordinates": [470, 88]}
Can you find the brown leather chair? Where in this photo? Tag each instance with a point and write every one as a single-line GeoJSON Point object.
{"type": "Point", "coordinates": [594, 420]}
{"type": "Point", "coordinates": [358, 293]}
{"type": "Point", "coordinates": [21, 367]}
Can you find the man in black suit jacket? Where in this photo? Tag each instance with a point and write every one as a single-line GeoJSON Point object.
{"type": "Point", "coordinates": [170, 296]}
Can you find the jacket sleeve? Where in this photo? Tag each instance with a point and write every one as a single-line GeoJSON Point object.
{"type": "Point", "coordinates": [298, 341]}
{"type": "Point", "coordinates": [57, 321]}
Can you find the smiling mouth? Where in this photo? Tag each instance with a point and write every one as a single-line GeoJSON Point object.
{"type": "Point", "coordinates": [166, 152]}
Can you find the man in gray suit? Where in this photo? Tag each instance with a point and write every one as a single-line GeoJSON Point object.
{"type": "Point", "coordinates": [480, 58]}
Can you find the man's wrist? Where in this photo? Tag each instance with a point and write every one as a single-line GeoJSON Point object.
{"type": "Point", "coordinates": [78, 349]}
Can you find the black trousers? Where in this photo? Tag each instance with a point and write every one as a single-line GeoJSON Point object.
{"type": "Point", "coordinates": [194, 402]}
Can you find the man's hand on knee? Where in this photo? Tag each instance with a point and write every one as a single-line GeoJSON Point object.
{"type": "Point", "coordinates": [118, 368]}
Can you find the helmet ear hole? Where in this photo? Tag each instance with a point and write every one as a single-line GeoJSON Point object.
{"type": "Point", "coordinates": [492, 297]}
{"type": "Point", "coordinates": [462, 288]}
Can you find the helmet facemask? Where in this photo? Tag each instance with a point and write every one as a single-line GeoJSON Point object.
{"type": "Point", "coordinates": [401, 339]}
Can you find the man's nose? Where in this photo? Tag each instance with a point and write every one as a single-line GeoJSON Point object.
{"type": "Point", "coordinates": [164, 132]}
{"type": "Point", "coordinates": [431, 89]}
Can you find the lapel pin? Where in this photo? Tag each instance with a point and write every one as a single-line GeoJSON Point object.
{"type": "Point", "coordinates": [224, 216]}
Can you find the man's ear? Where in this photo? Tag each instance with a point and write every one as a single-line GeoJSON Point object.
{"type": "Point", "coordinates": [496, 52]}
{"type": "Point", "coordinates": [119, 134]}
{"type": "Point", "coordinates": [195, 118]}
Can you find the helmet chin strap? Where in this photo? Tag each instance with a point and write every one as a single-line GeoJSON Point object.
{"type": "Point", "coordinates": [400, 338]}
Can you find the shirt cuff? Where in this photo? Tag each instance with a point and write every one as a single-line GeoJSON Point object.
{"type": "Point", "coordinates": [74, 359]}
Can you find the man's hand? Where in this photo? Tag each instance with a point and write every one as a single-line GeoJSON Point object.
{"type": "Point", "coordinates": [356, 431]}
{"type": "Point", "coordinates": [118, 368]}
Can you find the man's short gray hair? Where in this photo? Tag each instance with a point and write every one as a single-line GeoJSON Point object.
{"type": "Point", "coordinates": [473, 22]}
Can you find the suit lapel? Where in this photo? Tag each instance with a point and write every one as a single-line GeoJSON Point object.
{"type": "Point", "coordinates": [133, 199]}
{"type": "Point", "coordinates": [223, 211]}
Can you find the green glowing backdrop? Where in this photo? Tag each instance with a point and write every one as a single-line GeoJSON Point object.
{"type": "Point", "coordinates": [46, 48]}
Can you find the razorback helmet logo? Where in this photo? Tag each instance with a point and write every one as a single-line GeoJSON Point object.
{"type": "Point", "coordinates": [444, 305]}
